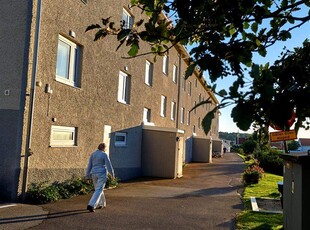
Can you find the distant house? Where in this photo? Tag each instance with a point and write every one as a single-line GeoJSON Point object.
{"type": "Point", "coordinates": [277, 145]}
{"type": "Point", "coordinates": [304, 144]}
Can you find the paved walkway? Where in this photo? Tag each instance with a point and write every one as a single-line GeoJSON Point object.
{"type": "Point", "coordinates": [206, 197]}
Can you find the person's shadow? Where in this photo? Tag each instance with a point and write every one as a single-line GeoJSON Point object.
{"type": "Point", "coordinates": [39, 217]}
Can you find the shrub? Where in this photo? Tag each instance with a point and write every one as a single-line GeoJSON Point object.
{"type": "Point", "coordinates": [111, 182]}
{"type": "Point", "coordinates": [43, 193]}
{"type": "Point", "coordinates": [270, 161]}
{"type": "Point", "coordinates": [252, 174]}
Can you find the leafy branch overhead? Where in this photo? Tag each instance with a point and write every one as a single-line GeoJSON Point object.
{"type": "Point", "coordinates": [224, 34]}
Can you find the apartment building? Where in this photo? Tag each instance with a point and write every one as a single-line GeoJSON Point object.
{"type": "Point", "coordinates": [61, 94]}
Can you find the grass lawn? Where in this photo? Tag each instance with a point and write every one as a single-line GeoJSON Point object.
{"type": "Point", "coordinates": [267, 187]}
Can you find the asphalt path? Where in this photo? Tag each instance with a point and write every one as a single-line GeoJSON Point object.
{"type": "Point", "coordinates": [206, 197]}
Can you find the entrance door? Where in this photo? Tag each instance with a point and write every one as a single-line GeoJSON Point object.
{"type": "Point", "coordinates": [180, 156]}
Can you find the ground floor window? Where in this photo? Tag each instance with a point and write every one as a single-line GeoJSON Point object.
{"type": "Point", "coordinates": [120, 139]}
{"type": "Point", "coordinates": [63, 136]}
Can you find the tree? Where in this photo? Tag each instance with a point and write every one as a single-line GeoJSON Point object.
{"type": "Point", "coordinates": [225, 33]}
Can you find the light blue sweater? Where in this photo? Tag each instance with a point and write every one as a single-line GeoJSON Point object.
{"type": "Point", "coordinates": [99, 162]}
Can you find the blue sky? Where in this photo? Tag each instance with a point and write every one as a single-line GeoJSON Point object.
{"type": "Point", "coordinates": [298, 36]}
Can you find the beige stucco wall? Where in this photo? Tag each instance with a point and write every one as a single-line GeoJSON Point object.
{"type": "Point", "coordinates": [93, 105]}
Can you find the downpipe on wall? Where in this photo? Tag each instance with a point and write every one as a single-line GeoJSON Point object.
{"type": "Point", "coordinates": [28, 151]}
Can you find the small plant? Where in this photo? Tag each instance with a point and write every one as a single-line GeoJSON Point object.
{"type": "Point", "coordinates": [111, 182]}
{"type": "Point", "coordinates": [252, 174]}
{"type": "Point", "coordinates": [43, 193]}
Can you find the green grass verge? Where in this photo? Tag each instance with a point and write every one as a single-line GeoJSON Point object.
{"type": "Point", "coordinates": [267, 187]}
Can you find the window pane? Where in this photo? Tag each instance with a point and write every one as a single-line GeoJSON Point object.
{"type": "Point", "coordinates": [58, 135]}
{"type": "Point", "coordinates": [148, 73]}
{"type": "Point", "coordinates": [123, 88]}
{"type": "Point", "coordinates": [63, 58]}
{"type": "Point", "coordinates": [120, 138]}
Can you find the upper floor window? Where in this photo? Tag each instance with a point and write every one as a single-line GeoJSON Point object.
{"type": "Point", "coordinates": [189, 89]}
{"type": "Point", "coordinates": [188, 121]}
{"type": "Point", "coordinates": [183, 83]}
{"type": "Point", "coordinates": [148, 73]}
{"type": "Point", "coordinates": [123, 88]}
{"type": "Point", "coordinates": [173, 108]}
{"type": "Point", "coordinates": [175, 74]}
{"type": "Point", "coordinates": [146, 115]}
{"type": "Point", "coordinates": [182, 115]}
{"type": "Point", "coordinates": [163, 105]}
{"type": "Point", "coordinates": [63, 136]}
{"type": "Point", "coordinates": [127, 19]}
{"type": "Point", "coordinates": [199, 123]}
{"type": "Point", "coordinates": [165, 64]}
{"type": "Point", "coordinates": [68, 60]}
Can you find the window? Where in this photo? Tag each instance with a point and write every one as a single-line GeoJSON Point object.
{"type": "Point", "coordinates": [196, 82]}
{"type": "Point", "coordinates": [189, 88]}
{"type": "Point", "coordinates": [194, 129]}
{"type": "Point", "coordinates": [123, 88]}
{"type": "Point", "coordinates": [63, 136]}
{"type": "Point", "coordinates": [163, 106]}
{"type": "Point", "coordinates": [173, 107]}
{"type": "Point", "coordinates": [199, 123]}
{"type": "Point", "coordinates": [127, 19]}
{"type": "Point", "coordinates": [148, 73]}
{"type": "Point", "coordinates": [67, 66]}
{"type": "Point", "coordinates": [183, 83]}
{"type": "Point", "coordinates": [188, 121]}
{"type": "Point", "coordinates": [146, 115]}
{"type": "Point", "coordinates": [195, 111]}
{"type": "Point", "coordinates": [120, 139]}
{"type": "Point", "coordinates": [175, 74]}
{"type": "Point", "coordinates": [165, 64]}
{"type": "Point", "coordinates": [182, 115]}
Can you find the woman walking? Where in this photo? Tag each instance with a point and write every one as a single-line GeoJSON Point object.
{"type": "Point", "coordinates": [99, 165]}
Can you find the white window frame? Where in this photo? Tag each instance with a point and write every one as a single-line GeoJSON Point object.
{"type": "Point", "coordinates": [73, 62]}
{"type": "Point", "coordinates": [128, 19]}
{"type": "Point", "coordinates": [182, 115]}
{"type": "Point", "coordinates": [148, 73]}
{"type": "Point", "coordinates": [173, 110]}
{"type": "Point", "coordinates": [188, 120]}
{"type": "Point", "coordinates": [72, 131]}
{"type": "Point", "coordinates": [122, 143]}
{"type": "Point", "coordinates": [123, 94]}
{"type": "Point", "coordinates": [175, 74]}
{"type": "Point", "coordinates": [189, 88]}
{"type": "Point", "coordinates": [165, 64]}
{"type": "Point", "coordinates": [146, 115]}
{"type": "Point", "coordinates": [183, 83]}
{"type": "Point", "coordinates": [163, 106]}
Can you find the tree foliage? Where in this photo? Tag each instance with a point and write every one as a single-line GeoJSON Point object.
{"type": "Point", "coordinates": [225, 33]}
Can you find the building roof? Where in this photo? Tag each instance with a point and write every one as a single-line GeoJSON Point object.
{"type": "Point", "coordinates": [304, 141]}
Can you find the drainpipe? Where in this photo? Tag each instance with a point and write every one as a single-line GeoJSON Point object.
{"type": "Point", "coordinates": [179, 93]}
{"type": "Point", "coordinates": [28, 151]}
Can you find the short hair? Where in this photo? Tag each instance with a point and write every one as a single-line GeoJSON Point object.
{"type": "Point", "coordinates": [101, 146]}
